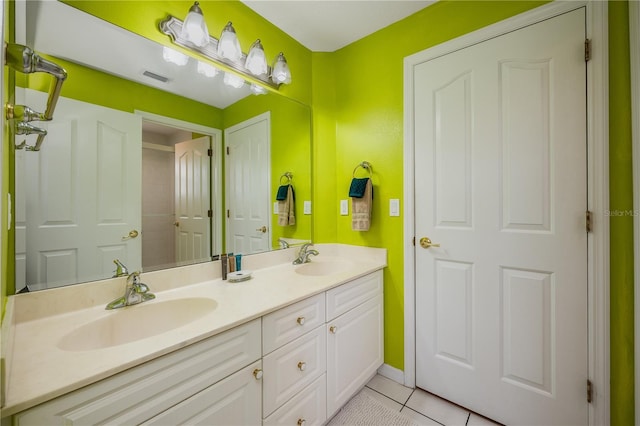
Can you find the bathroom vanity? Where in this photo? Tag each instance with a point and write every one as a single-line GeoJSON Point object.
{"type": "Point", "coordinates": [290, 346]}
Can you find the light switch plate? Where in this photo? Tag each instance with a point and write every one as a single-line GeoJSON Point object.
{"type": "Point", "coordinates": [307, 207]}
{"type": "Point", "coordinates": [394, 207]}
{"type": "Point", "coordinates": [276, 210]}
{"type": "Point", "coordinates": [344, 207]}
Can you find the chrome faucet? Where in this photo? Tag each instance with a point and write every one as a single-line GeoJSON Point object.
{"type": "Point", "coordinates": [135, 292]}
{"type": "Point", "coordinates": [304, 253]}
{"type": "Point", "coordinates": [283, 243]}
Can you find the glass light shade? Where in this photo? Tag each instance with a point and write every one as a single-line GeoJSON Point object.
{"type": "Point", "coordinates": [194, 27]}
{"type": "Point", "coordinates": [233, 80]}
{"type": "Point", "coordinates": [174, 56]}
{"type": "Point", "coordinates": [228, 45]}
{"type": "Point", "coordinates": [258, 90]}
{"type": "Point", "coordinates": [280, 73]}
{"type": "Point", "coordinates": [207, 69]}
{"type": "Point", "coordinates": [256, 60]}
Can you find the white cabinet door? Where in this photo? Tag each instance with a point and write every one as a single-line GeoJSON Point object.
{"type": "Point", "coordinates": [354, 351]}
{"type": "Point", "coordinates": [236, 400]}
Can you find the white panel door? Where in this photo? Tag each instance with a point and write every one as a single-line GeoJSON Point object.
{"type": "Point", "coordinates": [247, 186]}
{"type": "Point", "coordinates": [82, 194]}
{"type": "Point", "coordinates": [192, 199]}
{"type": "Point", "coordinates": [500, 160]}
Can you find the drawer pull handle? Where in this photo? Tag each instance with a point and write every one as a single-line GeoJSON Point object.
{"type": "Point", "coordinates": [300, 320]}
{"type": "Point", "coordinates": [301, 422]}
{"type": "Point", "coordinates": [257, 373]}
{"type": "Point", "coordinates": [302, 366]}
{"type": "Point", "coordinates": [333, 329]}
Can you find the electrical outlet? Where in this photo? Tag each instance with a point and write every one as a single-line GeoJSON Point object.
{"type": "Point", "coordinates": [276, 210]}
{"type": "Point", "coordinates": [344, 207]}
{"type": "Point", "coordinates": [307, 207]}
{"type": "Point", "coordinates": [394, 207]}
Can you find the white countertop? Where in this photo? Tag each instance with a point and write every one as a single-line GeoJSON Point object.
{"type": "Point", "coordinates": [38, 370]}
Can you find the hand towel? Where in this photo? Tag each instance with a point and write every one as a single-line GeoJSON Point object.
{"type": "Point", "coordinates": [281, 195]}
{"type": "Point", "coordinates": [358, 186]}
{"type": "Point", "coordinates": [361, 209]}
{"type": "Point", "coordinates": [286, 208]}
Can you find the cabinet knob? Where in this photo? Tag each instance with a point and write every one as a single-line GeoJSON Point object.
{"type": "Point", "coordinates": [301, 422]}
{"type": "Point", "coordinates": [302, 366]}
{"type": "Point", "coordinates": [333, 329]}
{"type": "Point", "coordinates": [257, 373]}
{"type": "Point", "coordinates": [300, 320]}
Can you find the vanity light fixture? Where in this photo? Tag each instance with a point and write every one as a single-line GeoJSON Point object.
{"type": "Point", "coordinates": [280, 71]}
{"type": "Point", "coordinates": [195, 28]}
{"type": "Point", "coordinates": [229, 45]}
{"type": "Point", "coordinates": [229, 55]}
{"type": "Point", "coordinates": [256, 60]}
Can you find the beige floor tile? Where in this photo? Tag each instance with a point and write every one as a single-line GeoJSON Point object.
{"type": "Point", "coordinates": [419, 418]}
{"type": "Point", "coordinates": [438, 409]}
{"type": "Point", "coordinates": [392, 389]}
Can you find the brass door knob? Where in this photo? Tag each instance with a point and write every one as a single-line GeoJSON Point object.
{"type": "Point", "coordinates": [425, 242]}
{"type": "Point", "coordinates": [302, 422]}
{"type": "Point", "coordinates": [176, 224]}
{"type": "Point", "coordinates": [302, 366]}
{"type": "Point", "coordinates": [333, 329]}
{"type": "Point", "coordinates": [263, 229]}
{"type": "Point", "coordinates": [300, 320]}
{"type": "Point", "coordinates": [132, 234]}
{"type": "Point", "coordinates": [257, 373]}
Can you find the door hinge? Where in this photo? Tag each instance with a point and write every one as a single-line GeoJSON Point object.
{"type": "Point", "coordinates": [587, 50]}
{"type": "Point", "coordinates": [210, 152]}
{"type": "Point", "coordinates": [589, 391]}
{"type": "Point", "coordinates": [227, 150]}
{"type": "Point", "coordinates": [210, 213]}
{"type": "Point", "coordinates": [589, 221]}
{"type": "Point", "coordinates": [413, 241]}
{"type": "Point", "coordinates": [228, 214]}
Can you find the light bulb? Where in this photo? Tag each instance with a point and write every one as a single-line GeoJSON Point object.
{"type": "Point", "coordinates": [256, 61]}
{"type": "Point", "coordinates": [228, 45]}
{"type": "Point", "coordinates": [280, 73]}
{"type": "Point", "coordinates": [194, 27]}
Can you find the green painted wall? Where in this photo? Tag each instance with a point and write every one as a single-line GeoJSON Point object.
{"type": "Point", "coordinates": [621, 227]}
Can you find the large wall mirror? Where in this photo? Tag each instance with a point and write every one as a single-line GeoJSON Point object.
{"type": "Point", "coordinates": [146, 161]}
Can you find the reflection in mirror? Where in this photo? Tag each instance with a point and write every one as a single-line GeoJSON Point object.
{"type": "Point", "coordinates": [136, 169]}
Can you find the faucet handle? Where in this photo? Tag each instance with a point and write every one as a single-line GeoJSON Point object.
{"type": "Point", "coordinates": [121, 270]}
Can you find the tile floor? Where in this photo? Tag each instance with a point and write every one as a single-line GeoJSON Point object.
{"type": "Point", "coordinates": [423, 407]}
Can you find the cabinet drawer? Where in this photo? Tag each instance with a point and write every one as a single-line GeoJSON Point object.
{"type": "Point", "coordinates": [308, 407]}
{"type": "Point", "coordinates": [291, 368]}
{"type": "Point", "coordinates": [142, 392]}
{"type": "Point", "coordinates": [285, 325]}
{"type": "Point", "coordinates": [232, 401]}
{"type": "Point", "coordinates": [348, 296]}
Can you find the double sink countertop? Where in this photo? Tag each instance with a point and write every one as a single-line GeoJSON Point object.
{"type": "Point", "coordinates": [56, 341]}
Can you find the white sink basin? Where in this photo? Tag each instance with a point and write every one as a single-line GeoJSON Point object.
{"type": "Point", "coordinates": [132, 323]}
{"type": "Point", "coordinates": [321, 267]}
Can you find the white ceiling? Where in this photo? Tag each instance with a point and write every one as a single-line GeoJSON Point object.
{"type": "Point", "coordinates": [328, 25]}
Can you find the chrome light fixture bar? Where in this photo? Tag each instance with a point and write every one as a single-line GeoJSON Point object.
{"type": "Point", "coordinates": [172, 27]}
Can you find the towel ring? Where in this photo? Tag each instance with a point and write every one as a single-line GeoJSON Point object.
{"type": "Point", "coordinates": [287, 176]}
{"type": "Point", "coordinates": [365, 165]}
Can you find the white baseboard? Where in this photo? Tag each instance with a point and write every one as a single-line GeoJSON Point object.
{"type": "Point", "coordinates": [391, 373]}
